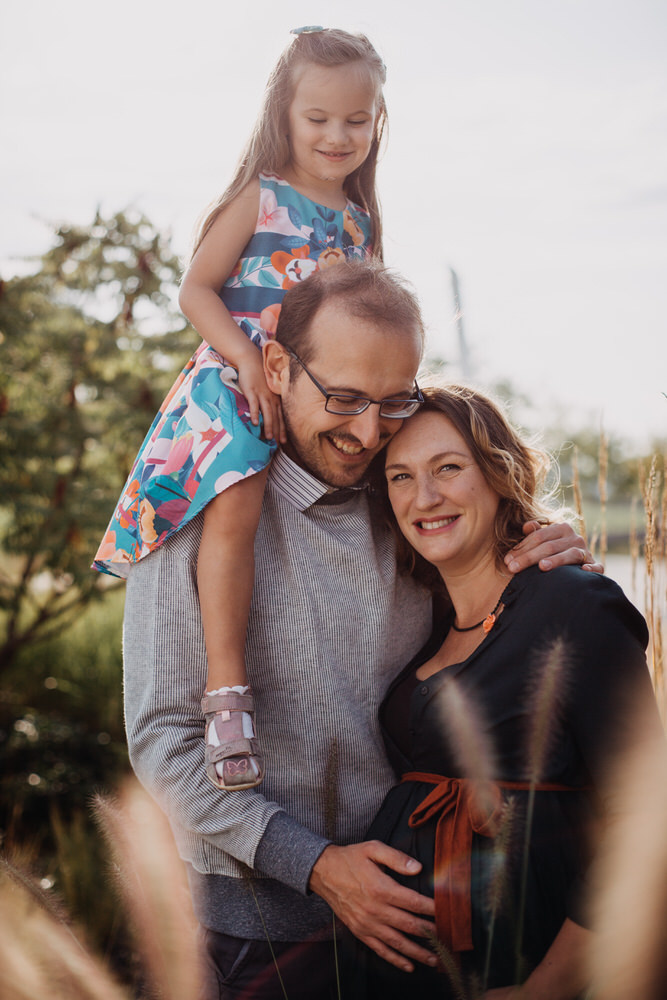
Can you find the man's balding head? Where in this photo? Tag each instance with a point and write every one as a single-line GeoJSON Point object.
{"type": "Point", "coordinates": [365, 290]}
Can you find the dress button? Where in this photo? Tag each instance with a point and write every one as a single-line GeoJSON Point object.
{"type": "Point", "coordinates": [423, 689]}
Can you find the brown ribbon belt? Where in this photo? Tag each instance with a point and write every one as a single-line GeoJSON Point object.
{"type": "Point", "coordinates": [463, 807]}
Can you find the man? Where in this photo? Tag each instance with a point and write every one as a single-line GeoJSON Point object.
{"type": "Point", "coordinates": [331, 622]}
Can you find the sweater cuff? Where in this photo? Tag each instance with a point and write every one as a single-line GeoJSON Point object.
{"type": "Point", "coordinates": [288, 851]}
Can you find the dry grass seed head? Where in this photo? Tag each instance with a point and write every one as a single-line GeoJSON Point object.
{"type": "Point", "coordinates": [603, 468]}
{"type": "Point", "coordinates": [155, 889]}
{"type": "Point", "coordinates": [502, 843]}
{"type": "Point", "coordinates": [466, 734]}
{"type": "Point", "coordinates": [39, 957]}
{"type": "Point", "coordinates": [450, 967]}
{"type": "Point", "coordinates": [578, 499]}
{"type": "Point", "coordinates": [629, 951]}
{"type": "Point", "coordinates": [545, 698]}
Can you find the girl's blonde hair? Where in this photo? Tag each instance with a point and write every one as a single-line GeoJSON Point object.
{"type": "Point", "coordinates": [267, 150]}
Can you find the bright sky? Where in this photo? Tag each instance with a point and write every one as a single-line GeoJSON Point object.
{"type": "Point", "coordinates": [527, 150]}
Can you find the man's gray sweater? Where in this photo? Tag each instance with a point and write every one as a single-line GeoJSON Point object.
{"type": "Point", "coordinates": [331, 623]}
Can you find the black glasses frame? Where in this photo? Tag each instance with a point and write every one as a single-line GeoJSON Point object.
{"type": "Point", "coordinates": [410, 406]}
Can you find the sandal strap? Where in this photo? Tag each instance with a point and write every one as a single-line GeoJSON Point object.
{"type": "Point", "coordinates": [232, 702]}
{"type": "Point", "coordinates": [233, 748]}
{"type": "Point", "coordinates": [228, 726]}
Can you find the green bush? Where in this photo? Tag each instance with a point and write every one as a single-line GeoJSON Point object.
{"type": "Point", "coordinates": [62, 741]}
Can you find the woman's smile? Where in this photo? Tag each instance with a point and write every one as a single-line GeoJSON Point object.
{"type": "Point", "coordinates": [442, 502]}
{"type": "Point", "coordinates": [434, 525]}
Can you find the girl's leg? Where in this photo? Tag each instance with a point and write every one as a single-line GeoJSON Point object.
{"type": "Point", "coordinates": [225, 577]}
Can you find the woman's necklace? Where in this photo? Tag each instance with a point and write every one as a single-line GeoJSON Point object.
{"type": "Point", "coordinates": [486, 623]}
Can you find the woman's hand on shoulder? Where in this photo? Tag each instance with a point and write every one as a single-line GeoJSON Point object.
{"type": "Point", "coordinates": [551, 545]}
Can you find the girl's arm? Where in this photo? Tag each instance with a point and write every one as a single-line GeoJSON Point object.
{"type": "Point", "coordinates": [200, 301]}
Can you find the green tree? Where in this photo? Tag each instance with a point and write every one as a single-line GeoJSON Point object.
{"type": "Point", "coordinates": [89, 344]}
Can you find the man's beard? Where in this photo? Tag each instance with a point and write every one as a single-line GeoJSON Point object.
{"type": "Point", "coordinates": [313, 459]}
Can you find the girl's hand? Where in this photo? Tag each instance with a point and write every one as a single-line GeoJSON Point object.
{"type": "Point", "coordinates": [260, 398]}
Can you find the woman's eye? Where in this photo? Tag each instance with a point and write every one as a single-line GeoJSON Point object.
{"type": "Point", "coordinates": [449, 467]}
{"type": "Point", "coordinates": [317, 121]}
{"type": "Point", "coordinates": [398, 477]}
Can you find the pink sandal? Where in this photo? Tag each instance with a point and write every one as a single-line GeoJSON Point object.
{"type": "Point", "coordinates": [243, 765]}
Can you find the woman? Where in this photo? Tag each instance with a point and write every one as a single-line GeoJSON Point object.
{"type": "Point", "coordinates": [503, 727]}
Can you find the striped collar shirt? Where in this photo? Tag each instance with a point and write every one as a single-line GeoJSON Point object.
{"type": "Point", "coordinates": [298, 486]}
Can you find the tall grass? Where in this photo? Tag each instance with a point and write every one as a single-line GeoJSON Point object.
{"type": "Point", "coordinates": [544, 715]}
{"type": "Point", "coordinates": [152, 881]}
{"type": "Point", "coordinates": [653, 495]}
{"type": "Point", "coordinates": [43, 955]}
{"type": "Point", "coordinates": [603, 468]}
{"type": "Point", "coordinates": [647, 549]}
{"type": "Point", "coordinates": [628, 959]}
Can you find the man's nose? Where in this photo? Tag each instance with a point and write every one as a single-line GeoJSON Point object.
{"type": "Point", "coordinates": [367, 426]}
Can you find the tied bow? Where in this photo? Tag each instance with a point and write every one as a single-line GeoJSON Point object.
{"type": "Point", "coordinates": [463, 807]}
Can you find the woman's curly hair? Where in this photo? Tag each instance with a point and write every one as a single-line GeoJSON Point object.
{"type": "Point", "coordinates": [515, 470]}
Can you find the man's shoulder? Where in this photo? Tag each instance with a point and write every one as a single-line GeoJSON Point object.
{"type": "Point", "coordinates": [183, 546]}
{"type": "Point", "coordinates": [185, 543]}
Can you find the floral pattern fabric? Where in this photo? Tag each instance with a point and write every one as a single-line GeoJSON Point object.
{"type": "Point", "coordinates": [202, 440]}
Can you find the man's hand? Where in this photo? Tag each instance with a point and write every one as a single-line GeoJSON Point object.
{"type": "Point", "coordinates": [550, 545]}
{"type": "Point", "coordinates": [378, 910]}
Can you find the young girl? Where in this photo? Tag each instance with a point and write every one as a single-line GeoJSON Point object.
{"type": "Point", "coordinates": [303, 198]}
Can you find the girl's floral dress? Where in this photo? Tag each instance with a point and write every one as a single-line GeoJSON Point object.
{"type": "Point", "coordinates": [202, 440]}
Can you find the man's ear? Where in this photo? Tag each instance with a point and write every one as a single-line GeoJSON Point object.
{"type": "Point", "coordinates": [276, 366]}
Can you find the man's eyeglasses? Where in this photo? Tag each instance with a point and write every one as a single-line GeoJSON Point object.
{"type": "Point", "coordinates": [346, 404]}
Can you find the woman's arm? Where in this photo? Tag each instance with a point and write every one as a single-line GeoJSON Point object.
{"type": "Point", "coordinates": [606, 689]}
{"type": "Point", "coordinates": [561, 975]}
{"type": "Point", "coordinates": [611, 707]}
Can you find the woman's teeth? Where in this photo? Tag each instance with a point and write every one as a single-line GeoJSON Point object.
{"type": "Point", "coordinates": [432, 525]}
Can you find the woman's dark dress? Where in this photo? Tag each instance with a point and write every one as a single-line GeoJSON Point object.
{"type": "Point", "coordinates": [603, 673]}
